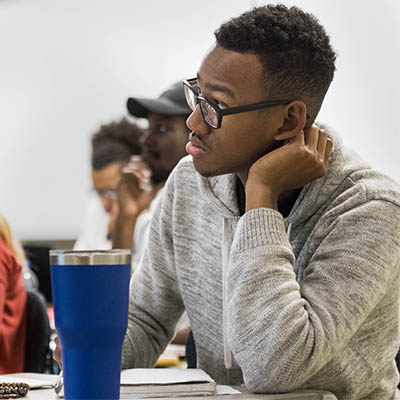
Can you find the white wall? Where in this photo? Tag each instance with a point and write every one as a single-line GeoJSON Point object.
{"type": "Point", "coordinates": [67, 66]}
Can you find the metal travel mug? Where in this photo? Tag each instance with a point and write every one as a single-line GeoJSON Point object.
{"type": "Point", "coordinates": [90, 298]}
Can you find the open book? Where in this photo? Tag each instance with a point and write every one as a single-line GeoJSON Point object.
{"type": "Point", "coordinates": [160, 382]}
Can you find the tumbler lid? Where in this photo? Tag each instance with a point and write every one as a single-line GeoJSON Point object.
{"type": "Point", "coordinates": [90, 257]}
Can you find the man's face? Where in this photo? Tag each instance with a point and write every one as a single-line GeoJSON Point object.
{"type": "Point", "coordinates": [105, 183]}
{"type": "Point", "coordinates": [163, 144]}
{"type": "Point", "coordinates": [232, 79]}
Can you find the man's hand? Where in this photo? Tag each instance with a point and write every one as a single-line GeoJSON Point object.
{"type": "Point", "coordinates": [298, 162]}
{"type": "Point", "coordinates": [135, 191]}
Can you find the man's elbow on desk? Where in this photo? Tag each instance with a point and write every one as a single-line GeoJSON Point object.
{"type": "Point", "coordinates": [262, 383]}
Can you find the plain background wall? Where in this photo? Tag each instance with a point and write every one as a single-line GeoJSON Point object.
{"type": "Point", "coordinates": [68, 66]}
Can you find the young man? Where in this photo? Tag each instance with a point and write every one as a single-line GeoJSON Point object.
{"type": "Point", "coordinates": [282, 246]}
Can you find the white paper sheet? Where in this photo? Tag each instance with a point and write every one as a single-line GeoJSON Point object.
{"type": "Point", "coordinates": [162, 376]}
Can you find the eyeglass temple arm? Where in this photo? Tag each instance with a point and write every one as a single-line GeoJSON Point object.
{"type": "Point", "coordinates": [258, 106]}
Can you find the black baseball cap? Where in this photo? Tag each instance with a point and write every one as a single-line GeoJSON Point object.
{"type": "Point", "coordinates": [171, 102]}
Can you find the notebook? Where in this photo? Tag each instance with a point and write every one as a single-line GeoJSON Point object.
{"type": "Point", "coordinates": [160, 382]}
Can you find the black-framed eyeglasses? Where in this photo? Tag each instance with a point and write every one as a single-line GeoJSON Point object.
{"type": "Point", "coordinates": [212, 113]}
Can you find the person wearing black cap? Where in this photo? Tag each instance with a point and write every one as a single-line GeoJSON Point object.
{"type": "Point", "coordinates": [166, 137]}
{"type": "Point", "coordinates": [163, 145]}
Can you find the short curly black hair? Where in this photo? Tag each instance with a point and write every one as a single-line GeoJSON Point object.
{"type": "Point", "coordinates": [115, 142]}
{"type": "Point", "coordinates": [294, 49]}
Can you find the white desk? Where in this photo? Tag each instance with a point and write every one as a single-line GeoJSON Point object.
{"type": "Point", "coordinates": [48, 394]}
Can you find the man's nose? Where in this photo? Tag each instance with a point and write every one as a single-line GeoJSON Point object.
{"type": "Point", "coordinates": [107, 203]}
{"type": "Point", "coordinates": [195, 121]}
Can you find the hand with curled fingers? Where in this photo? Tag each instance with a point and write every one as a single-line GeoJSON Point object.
{"type": "Point", "coordinates": [298, 162]}
{"type": "Point", "coordinates": [135, 190]}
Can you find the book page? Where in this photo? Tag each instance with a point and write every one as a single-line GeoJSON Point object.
{"type": "Point", "coordinates": [160, 376]}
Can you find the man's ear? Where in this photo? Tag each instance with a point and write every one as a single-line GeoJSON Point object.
{"type": "Point", "coordinates": [295, 119]}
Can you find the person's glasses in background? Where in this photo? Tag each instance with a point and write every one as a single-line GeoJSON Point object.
{"type": "Point", "coordinates": [107, 192]}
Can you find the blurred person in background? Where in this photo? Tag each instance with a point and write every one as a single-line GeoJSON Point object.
{"type": "Point", "coordinates": [112, 146]}
{"type": "Point", "coordinates": [12, 302]}
{"type": "Point", "coordinates": [163, 145]}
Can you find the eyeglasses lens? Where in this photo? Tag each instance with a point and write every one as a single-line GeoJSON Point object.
{"type": "Point", "coordinates": [108, 193]}
{"type": "Point", "coordinates": [190, 97]}
{"type": "Point", "coordinates": [209, 113]}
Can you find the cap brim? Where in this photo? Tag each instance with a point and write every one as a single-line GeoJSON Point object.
{"type": "Point", "coordinates": [140, 107]}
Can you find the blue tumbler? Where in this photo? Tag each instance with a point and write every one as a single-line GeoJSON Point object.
{"type": "Point", "coordinates": [90, 297]}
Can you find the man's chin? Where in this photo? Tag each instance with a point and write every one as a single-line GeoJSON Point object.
{"type": "Point", "coordinates": [205, 173]}
{"type": "Point", "coordinates": [203, 170]}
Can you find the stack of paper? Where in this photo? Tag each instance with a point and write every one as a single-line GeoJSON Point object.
{"type": "Point", "coordinates": [160, 382]}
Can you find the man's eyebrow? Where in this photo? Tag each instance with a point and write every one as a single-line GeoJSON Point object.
{"type": "Point", "coordinates": [217, 88]}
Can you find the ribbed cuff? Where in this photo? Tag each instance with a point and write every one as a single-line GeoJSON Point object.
{"type": "Point", "coordinates": [261, 227]}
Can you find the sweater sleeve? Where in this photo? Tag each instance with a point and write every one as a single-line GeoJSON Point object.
{"type": "Point", "coordinates": [155, 302]}
{"type": "Point", "coordinates": [282, 332]}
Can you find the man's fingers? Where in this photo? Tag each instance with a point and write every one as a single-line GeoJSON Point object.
{"type": "Point", "coordinates": [136, 158]}
{"type": "Point", "coordinates": [140, 172]}
{"type": "Point", "coordinates": [321, 144]}
{"type": "Point", "coordinates": [137, 162]}
{"type": "Point", "coordinates": [328, 150]}
{"type": "Point", "coordinates": [128, 169]}
{"type": "Point", "coordinates": [311, 137]}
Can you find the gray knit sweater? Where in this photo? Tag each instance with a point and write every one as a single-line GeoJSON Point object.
{"type": "Point", "coordinates": [309, 301]}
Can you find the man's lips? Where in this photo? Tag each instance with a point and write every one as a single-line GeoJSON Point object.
{"type": "Point", "coordinates": [196, 141]}
{"type": "Point", "coordinates": [195, 146]}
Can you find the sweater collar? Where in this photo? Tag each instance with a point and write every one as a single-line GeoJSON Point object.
{"type": "Point", "coordinates": [220, 191]}
{"type": "Point", "coordinates": [342, 163]}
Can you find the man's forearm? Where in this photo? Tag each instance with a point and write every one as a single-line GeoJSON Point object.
{"type": "Point", "coordinates": [123, 233]}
